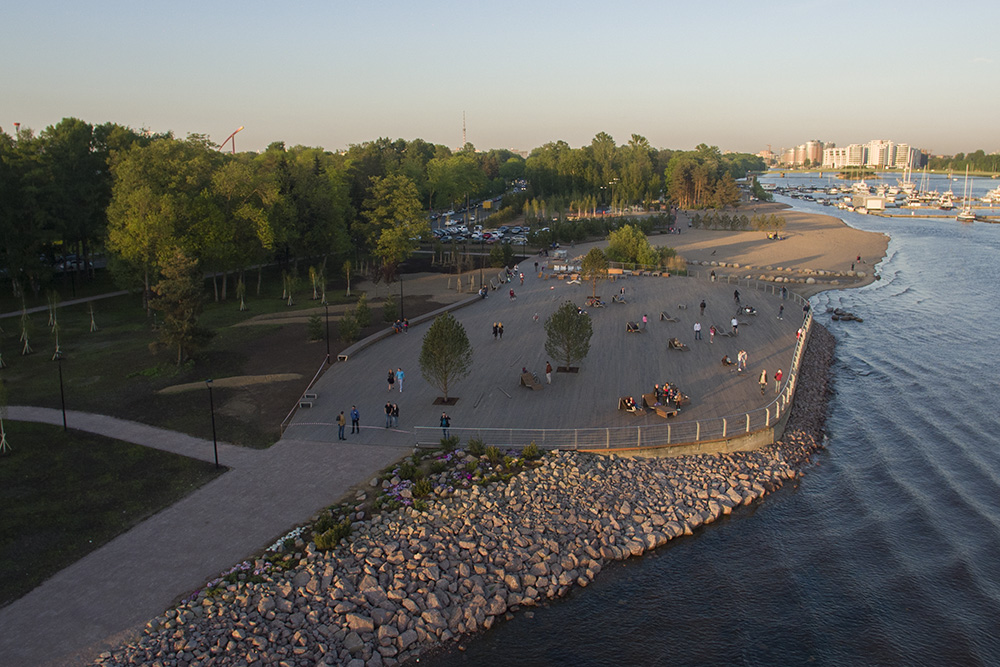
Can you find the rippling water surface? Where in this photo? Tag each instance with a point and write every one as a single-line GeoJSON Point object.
{"type": "Point", "coordinates": [887, 552]}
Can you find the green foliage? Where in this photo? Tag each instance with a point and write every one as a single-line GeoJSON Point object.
{"type": "Point", "coordinates": [509, 461]}
{"type": "Point", "coordinates": [314, 327]}
{"type": "Point", "coordinates": [472, 466]}
{"type": "Point", "coordinates": [629, 245]}
{"type": "Point", "coordinates": [421, 505]}
{"type": "Point", "coordinates": [331, 538]}
{"type": "Point", "coordinates": [531, 451]}
{"type": "Point", "coordinates": [348, 327]}
{"type": "Point", "coordinates": [422, 488]}
{"type": "Point", "coordinates": [362, 311]}
{"type": "Point", "coordinates": [568, 334]}
{"type": "Point", "coordinates": [492, 454]}
{"type": "Point", "coordinates": [594, 268]}
{"type": "Point", "coordinates": [179, 299]}
{"type": "Point", "coordinates": [445, 355]}
{"type": "Point", "coordinates": [390, 311]}
{"type": "Point", "coordinates": [476, 447]}
{"type": "Point", "coordinates": [450, 443]}
{"type": "Point", "coordinates": [438, 467]}
{"type": "Point", "coordinates": [407, 470]}
{"type": "Point", "coordinates": [393, 219]}
{"type": "Point", "coordinates": [501, 255]}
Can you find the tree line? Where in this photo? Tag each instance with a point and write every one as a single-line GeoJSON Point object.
{"type": "Point", "coordinates": [148, 199]}
{"type": "Point", "coordinates": [975, 161]}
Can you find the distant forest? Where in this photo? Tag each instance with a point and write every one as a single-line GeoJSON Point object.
{"type": "Point", "coordinates": [975, 161]}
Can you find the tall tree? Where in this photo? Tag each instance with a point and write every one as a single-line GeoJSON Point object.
{"type": "Point", "coordinates": [393, 219]}
{"type": "Point", "coordinates": [179, 298]}
{"type": "Point", "coordinates": [446, 354]}
{"type": "Point", "coordinates": [594, 268]}
{"type": "Point", "coordinates": [567, 334]}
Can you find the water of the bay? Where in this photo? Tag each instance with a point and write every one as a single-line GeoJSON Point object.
{"type": "Point", "coordinates": [887, 551]}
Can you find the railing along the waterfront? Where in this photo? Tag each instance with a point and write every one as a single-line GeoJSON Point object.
{"type": "Point", "coordinates": [656, 435]}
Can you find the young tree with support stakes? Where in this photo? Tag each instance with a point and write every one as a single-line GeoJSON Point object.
{"type": "Point", "coordinates": [178, 296]}
{"type": "Point", "coordinates": [568, 332]}
{"type": "Point", "coordinates": [446, 354]}
{"type": "Point", "coordinates": [594, 268]}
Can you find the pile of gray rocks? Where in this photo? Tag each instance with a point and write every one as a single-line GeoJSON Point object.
{"type": "Point", "coordinates": [409, 581]}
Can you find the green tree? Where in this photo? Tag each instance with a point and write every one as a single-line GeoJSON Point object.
{"type": "Point", "coordinates": [567, 334]}
{"type": "Point", "coordinates": [629, 245]}
{"type": "Point", "coordinates": [393, 217]}
{"type": "Point", "coordinates": [179, 298]}
{"type": "Point", "coordinates": [501, 255]}
{"type": "Point", "coordinates": [594, 268]}
{"type": "Point", "coordinates": [363, 311]}
{"type": "Point", "coordinates": [726, 192]}
{"type": "Point", "coordinates": [445, 355]}
{"type": "Point", "coordinates": [348, 328]}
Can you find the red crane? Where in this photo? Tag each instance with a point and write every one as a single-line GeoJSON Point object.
{"type": "Point", "coordinates": [232, 138]}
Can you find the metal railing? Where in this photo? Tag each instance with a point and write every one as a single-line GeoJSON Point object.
{"type": "Point", "coordinates": [658, 435]}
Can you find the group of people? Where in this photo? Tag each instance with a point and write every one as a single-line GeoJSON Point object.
{"type": "Point", "coordinates": [498, 330]}
{"type": "Point", "coordinates": [401, 326]}
{"type": "Point", "coordinates": [740, 363]}
{"type": "Point", "coordinates": [667, 393]}
{"type": "Point", "coordinates": [391, 415]}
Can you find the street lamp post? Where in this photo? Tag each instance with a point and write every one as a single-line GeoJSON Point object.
{"type": "Point", "coordinates": [62, 393]}
{"type": "Point", "coordinates": [327, 306]}
{"type": "Point", "coordinates": [211, 404]}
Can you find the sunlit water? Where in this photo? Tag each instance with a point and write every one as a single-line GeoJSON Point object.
{"type": "Point", "coordinates": [887, 552]}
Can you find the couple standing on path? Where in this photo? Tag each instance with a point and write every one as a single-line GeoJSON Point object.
{"type": "Point", "coordinates": [396, 378]}
{"type": "Point", "coordinates": [355, 423]}
{"type": "Point", "coordinates": [391, 415]}
{"type": "Point", "coordinates": [498, 330]}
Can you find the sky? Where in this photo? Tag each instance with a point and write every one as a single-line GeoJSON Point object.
{"type": "Point", "coordinates": [737, 75]}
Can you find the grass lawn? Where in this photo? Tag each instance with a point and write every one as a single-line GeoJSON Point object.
{"type": "Point", "coordinates": [65, 494]}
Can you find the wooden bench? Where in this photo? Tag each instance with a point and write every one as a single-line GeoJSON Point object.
{"type": "Point", "coordinates": [649, 401]}
{"type": "Point", "coordinates": [341, 357]}
{"type": "Point", "coordinates": [624, 404]}
{"type": "Point", "coordinates": [665, 412]}
{"type": "Point", "coordinates": [530, 381]}
{"type": "Point", "coordinates": [618, 298]}
{"type": "Point", "coordinates": [305, 404]}
{"type": "Point", "coordinates": [632, 327]}
{"type": "Point", "coordinates": [667, 318]}
{"type": "Point", "coordinates": [675, 344]}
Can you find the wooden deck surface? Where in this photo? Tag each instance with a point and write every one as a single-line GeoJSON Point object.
{"type": "Point", "coordinates": [619, 363]}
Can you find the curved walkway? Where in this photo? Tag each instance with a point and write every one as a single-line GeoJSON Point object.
{"type": "Point", "coordinates": [100, 600]}
{"type": "Point", "coordinates": [112, 592]}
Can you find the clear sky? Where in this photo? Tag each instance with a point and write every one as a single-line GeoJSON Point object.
{"type": "Point", "coordinates": [739, 75]}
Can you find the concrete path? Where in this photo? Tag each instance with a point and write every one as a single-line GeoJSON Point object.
{"type": "Point", "coordinates": [111, 593]}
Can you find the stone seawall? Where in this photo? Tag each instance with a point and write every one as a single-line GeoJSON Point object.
{"type": "Point", "coordinates": [411, 581]}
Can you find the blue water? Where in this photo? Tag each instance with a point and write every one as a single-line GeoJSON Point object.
{"type": "Point", "coordinates": [887, 552]}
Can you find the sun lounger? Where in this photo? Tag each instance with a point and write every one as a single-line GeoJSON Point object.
{"type": "Point", "coordinates": [675, 344]}
{"type": "Point", "coordinates": [618, 298]}
{"type": "Point", "coordinates": [625, 404]}
{"type": "Point", "coordinates": [666, 318]}
{"type": "Point", "coordinates": [632, 327]}
{"type": "Point", "coordinates": [530, 381]}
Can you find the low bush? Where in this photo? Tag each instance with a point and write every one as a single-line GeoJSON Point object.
{"type": "Point", "coordinates": [492, 454]}
{"type": "Point", "coordinates": [476, 447]}
{"type": "Point", "coordinates": [330, 538]}
{"type": "Point", "coordinates": [531, 452]}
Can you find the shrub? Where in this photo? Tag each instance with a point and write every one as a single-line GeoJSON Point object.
{"type": "Point", "coordinates": [492, 454]}
{"type": "Point", "coordinates": [476, 447]}
{"type": "Point", "coordinates": [438, 467]}
{"type": "Point", "coordinates": [449, 444]}
{"type": "Point", "coordinates": [348, 327]}
{"type": "Point", "coordinates": [407, 471]}
{"type": "Point", "coordinates": [471, 466]}
{"type": "Point", "coordinates": [362, 311]}
{"type": "Point", "coordinates": [422, 488]}
{"type": "Point", "coordinates": [389, 309]}
{"type": "Point", "coordinates": [323, 524]}
{"type": "Point", "coordinates": [531, 452]}
{"type": "Point", "coordinates": [509, 461]}
{"type": "Point", "coordinates": [314, 327]}
{"type": "Point", "coordinates": [330, 538]}
{"type": "Point", "coordinates": [420, 505]}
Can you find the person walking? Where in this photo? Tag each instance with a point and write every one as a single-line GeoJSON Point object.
{"type": "Point", "coordinates": [341, 423]}
{"type": "Point", "coordinates": [702, 308]}
{"type": "Point", "coordinates": [762, 381]}
{"type": "Point", "coordinates": [784, 293]}
{"type": "Point", "coordinates": [777, 381]}
{"type": "Point", "coordinates": [736, 326]}
{"type": "Point", "coordinates": [644, 320]}
{"type": "Point", "coordinates": [496, 329]}
{"type": "Point", "coordinates": [548, 373]}
{"type": "Point", "coordinates": [697, 330]}
{"type": "Point", "coordinates": [741, 361]}
{"type": "Point", "coordinates": [512, 297]}
{"type": "Point", "coordinates": [445, 424]}
{"type": "Point", "coordinates": [399, 379]}
{"type": "Point", "coordinates": [522, 278]}
{"type": "Point", "coordinates": [388, 414]}
{"type": "Point", "coordinates": [391, 379]}
{"type": "Point", "coordinates": [736, 296]}
{"type": "Point", "coordinates": [395, 415]}
{"type": "Point", "coordinates": [500, 329]}
{"type": "Point", "coordinates": [711, 334]}
{"type": "Point", "coordinates": [355, 420]}
{"type": "Point", "coordinates": [781, 311]}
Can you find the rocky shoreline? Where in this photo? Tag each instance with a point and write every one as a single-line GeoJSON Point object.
{"type": "Point", "coordinates": [410, 581]}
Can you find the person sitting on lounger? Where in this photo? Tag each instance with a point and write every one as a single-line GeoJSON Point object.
{"type": "Point", "coordinates": [676, 344]}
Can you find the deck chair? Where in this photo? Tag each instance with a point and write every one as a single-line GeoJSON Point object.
{"type": "Point", "coordinates": [666, 318]}
{"type": "Point", "coordinates": [530, 381]}
{"type": "Point", "coordinates": [618, 298]}
{"type": "Point", "coordinates": [719, 331]}
{"type": "Point", "coordinates": [676, 344]}
{"type": "Point", "coordinates": [632, 327]}
{"type": "Point", "coordinates": [625, 404]}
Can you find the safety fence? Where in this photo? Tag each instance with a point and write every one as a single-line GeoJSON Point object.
{"type": "Point", "coordinates": [657, 435]}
